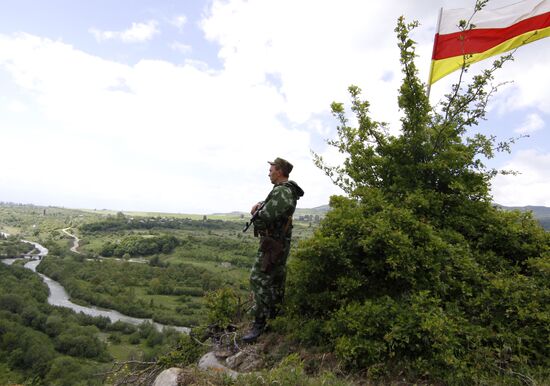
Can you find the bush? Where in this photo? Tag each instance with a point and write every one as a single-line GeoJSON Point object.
{"type": "Point", "coordinates": [67, 371]}
{"type": "Point", "coordinates": [416, 272]}
{"type": "Point", "coordinates": [131, 246]}
{"type": "Point", "coordinates": [289, 372]}
{"type": "Point", "coordinates": [115, 338]}
{"type": "Point", "coordinates": [154, 338]}
{"type": "Point", "coordinates": [187, 352]}
{"type": "Point", "coordinates": [222, 307]}
{"type": "Point", "coordinates": [123, 327]}
{"type": "Point", "coordinates": [81, 342]}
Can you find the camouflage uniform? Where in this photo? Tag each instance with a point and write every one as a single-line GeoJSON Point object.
{"type": "Point", "coordinates": [274, 226]}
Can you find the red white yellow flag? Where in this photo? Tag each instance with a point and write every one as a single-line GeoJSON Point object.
{"type": "Point", "coordinates": [495, 31]}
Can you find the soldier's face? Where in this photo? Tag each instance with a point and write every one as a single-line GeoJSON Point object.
{"type": "Point", "coordinates": [274, 174]}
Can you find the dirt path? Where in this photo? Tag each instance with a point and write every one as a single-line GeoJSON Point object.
{"type": "Point", "coordinates": [76, 240]}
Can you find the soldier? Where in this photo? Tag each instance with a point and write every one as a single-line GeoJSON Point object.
{"type": "Point", "coordinates": [273, 225]}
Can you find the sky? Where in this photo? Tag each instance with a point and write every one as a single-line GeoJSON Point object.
{"type": "Point", "coordinates": [176, 106]}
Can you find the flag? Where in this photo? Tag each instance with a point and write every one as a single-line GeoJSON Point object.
{"type": "Point", "coordinates": [495, 31]}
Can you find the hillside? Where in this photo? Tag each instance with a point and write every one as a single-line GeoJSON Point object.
{"type": "Point", "coordinates": [541, 213]}
{"type": "Point", "coordinates": [210, 254]}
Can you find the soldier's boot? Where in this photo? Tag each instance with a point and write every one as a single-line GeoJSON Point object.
{"type": "Point", "coordinates": [256, 330]}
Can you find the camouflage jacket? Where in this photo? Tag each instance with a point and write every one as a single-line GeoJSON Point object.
{"type": "Point", "coordinates": [279, 206]}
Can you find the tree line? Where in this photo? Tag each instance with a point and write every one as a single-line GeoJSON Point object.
{"type": "Point", "coordinates": [120, 222]}
{"type": "Point", "coordinates": [137, 245]}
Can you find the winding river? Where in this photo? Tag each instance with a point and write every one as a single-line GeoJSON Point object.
{"type": "Point", "coordinates": [59, 297]}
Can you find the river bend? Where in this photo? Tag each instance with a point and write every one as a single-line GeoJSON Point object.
{"type": "Point", "coordinates": [59, 297]}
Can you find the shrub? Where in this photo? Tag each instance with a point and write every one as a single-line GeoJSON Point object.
{"type": "Point", "coordinates": [416, 271]}
{"type": "Point", "coordinates": [221, 307]}
{"type": "Point", "coordinates": [187, 352]}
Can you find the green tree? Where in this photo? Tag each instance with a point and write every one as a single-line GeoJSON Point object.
{"type": "Point", "coordinates": [415, 270]}
{"type": "Point", "coordinates": [54, 325]}
{"type": "Point", "coordinates": [81, 342]}
{"type": "Point", "coordinates": [67, 371]}
{"type": "Point", "coordinates": [222, 306]}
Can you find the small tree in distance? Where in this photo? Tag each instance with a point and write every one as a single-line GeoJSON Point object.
{"type": "Point", "coordinates": [415, 271]}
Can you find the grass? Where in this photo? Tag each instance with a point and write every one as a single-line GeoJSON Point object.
{"type": "Point", "coordinates": [10, 230]}
{"type": "Point", "coordinates": [232, 273]}
{"type": "Point", "coordinates": [164, 301]}
{"type": "Point", "coordinates": [124, 350]}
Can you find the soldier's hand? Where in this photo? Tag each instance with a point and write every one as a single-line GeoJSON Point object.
{"type": "Point", "coordinates": [255, 208]}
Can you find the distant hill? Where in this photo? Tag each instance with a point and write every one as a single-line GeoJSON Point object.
{"type": "Point", "coordinates": [538, 211]}
{"type": "Point", "coordinates": [541, 213]}
{"type": "Point", "coordinates": [319, 210]}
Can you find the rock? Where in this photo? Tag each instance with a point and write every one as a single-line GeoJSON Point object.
{"type": "Point", "coordinates": [168, 377]}
{"type": "Point", "coordinates": [246, 360]}
{"type": "Point", "coordinates": [210, 362]}
{"type": "Point", "coordinates": [222, 354]}
{"type": "Point", "coordinates": [252, 363]}
{"type": "Point", "coordinates": [235, 361]}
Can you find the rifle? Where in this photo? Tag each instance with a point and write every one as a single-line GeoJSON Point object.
{"type": "Point", "coordinates": [253, 218]}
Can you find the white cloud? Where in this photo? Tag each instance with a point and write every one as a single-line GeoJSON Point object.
{"type": "Point", "coordinates": [531, 187]}
{"type": "Point", "coordinates": [179, 22]}
{"type": "Point", "coordinates": [316, 57]}
{"type": "Point", "coordinates": [156, 135]}
{"type": "Point", "coordinates": [181, 47]}
{"type": "Point", "coordinates": [137, 33]}
{"type": "Point", "coordinates": [182, 137]}
{"type": "Point", "coordinates": [533, 122]}
{"type": "Point", "coordinates": [530, 78]}
{"type": "Point", "coordinates": [17, 106]}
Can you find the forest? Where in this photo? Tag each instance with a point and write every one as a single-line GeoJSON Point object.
{"type": "Point", "coordinates": [42, 344]}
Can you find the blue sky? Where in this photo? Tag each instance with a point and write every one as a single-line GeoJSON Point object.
{"type": "Point", "coordinates": [176, 106]}
{"type": "Point", "coordinates": [73, 22]}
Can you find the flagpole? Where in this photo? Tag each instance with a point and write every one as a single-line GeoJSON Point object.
{"type": "Point", "coordinates": [429, 86]}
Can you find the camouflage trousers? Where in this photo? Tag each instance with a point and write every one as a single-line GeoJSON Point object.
{"type": "Point", "coordinates": [268, 288]}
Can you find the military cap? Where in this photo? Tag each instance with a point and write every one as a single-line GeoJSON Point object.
{"type": "Point", "coordinates": [283, 165]}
